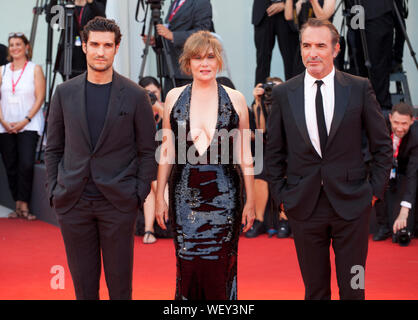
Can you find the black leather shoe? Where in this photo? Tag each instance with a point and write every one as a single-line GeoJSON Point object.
{"type": "Point", "coordinates": [382, 234]}
{"type": "Point", "coordinates": [284, 229]}
{"type": "Point", "coordinates": [256, 229]}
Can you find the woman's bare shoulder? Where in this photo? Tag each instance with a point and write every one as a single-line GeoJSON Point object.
{"type": "Point", "coordinates": [237, 98]}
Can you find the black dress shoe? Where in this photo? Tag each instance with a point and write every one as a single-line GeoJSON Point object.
{"type": "Point", "coordinates": [284, 229]}
{"type": "Point", "coordinates": [256, 229]}
{"type": "Point", "coordinates": [382, 234]}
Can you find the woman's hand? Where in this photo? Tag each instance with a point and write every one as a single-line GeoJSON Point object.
{"type": "Point", "coordinates": [161, 212]}
{"type": "Point", "coordinates": [18, 126]}
{"type": "Point", "coordinates": [248, 216]}
{"type": "Point", "coordinates": [258, 92]}
{"type": "Point", "coordinates": [7, 126]}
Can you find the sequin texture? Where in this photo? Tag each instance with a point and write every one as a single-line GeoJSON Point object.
{"type": "Point", "coordinates": [206, 208]}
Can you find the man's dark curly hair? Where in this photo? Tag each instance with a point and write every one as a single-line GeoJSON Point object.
{"type": "Point", "coordinates": [101, 24]}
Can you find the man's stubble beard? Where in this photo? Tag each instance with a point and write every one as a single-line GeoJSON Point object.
{"type": "Point", "coordinates": [104, 69]}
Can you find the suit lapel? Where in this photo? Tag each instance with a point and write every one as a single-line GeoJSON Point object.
{"type": "Point", "coordinates": [79, 103]}
{"type": "Point", "coordinates": [296, 96]}
{"type": "Point", "coordinates": [342, 94]}
{"type": "Point", "coordinates": [113, 108]}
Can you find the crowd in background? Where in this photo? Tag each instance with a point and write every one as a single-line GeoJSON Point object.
{"type": "Point", "coordinates": [23, 94]}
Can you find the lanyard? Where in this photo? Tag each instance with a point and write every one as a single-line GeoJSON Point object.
{"type": "Point", "coordinates": [14, 84]}
{"type": "Point", "coordinates": [80, 16]}
{"type": "Point", "coordinates": [395, 155]}
{"type": "Point", "coordinates": [176, 8]}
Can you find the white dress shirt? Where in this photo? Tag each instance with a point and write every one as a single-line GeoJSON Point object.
{"type": "Point", "coordinates": [396, 143]}
{"type": "Point", "coordinates": [328, 98]}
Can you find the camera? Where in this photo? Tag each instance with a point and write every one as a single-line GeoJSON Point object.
{"type": "Point", "coordinates": [155, 4]}
{"type": "Point", "coordinates": [152, 97]}
{"type": "Point", "coordinates": [403, 237]}
{"type": "Point", "coordinates": [268, 89]}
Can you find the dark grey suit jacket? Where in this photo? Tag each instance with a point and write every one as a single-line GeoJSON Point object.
{"type": "Point", "coordinates": [408, 162]}
{"type": "Point", "coordinates": [296, 171]}
{"type": "Point", "coordinates": [122, 164]}
{"type": "Point", "coordinates": [193, 16]}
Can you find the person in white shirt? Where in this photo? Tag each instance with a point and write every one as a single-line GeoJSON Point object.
{"type": "Point", "coordinates": [21, 121]}
{"type": "Point", "coordinates": [393, 214]}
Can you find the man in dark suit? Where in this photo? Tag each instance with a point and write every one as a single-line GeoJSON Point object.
{"type": "Point", "coordinates": [399, 198]}
{"type": "Point", "coordinates": [269, 23]}
{"type": "Point", "coordinates": [316, 167]}
{"type": "Point", "coordinates": [3, 54]}
{"type": "Point", "coordinates": [100, 163]}
{"type": "Point", "coordinates": [378, 29]}
{"type": "Point", "coordinates": [184, 18]}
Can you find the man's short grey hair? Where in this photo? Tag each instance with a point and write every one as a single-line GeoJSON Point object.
{"type": "Point", "coordinates": [317, 23]}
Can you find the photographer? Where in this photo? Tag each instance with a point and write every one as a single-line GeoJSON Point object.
{"type": "Point", "coordinates": [153, 87]}
{"type": "Point", "coordinates": [261, 110]}
{"type": "Point", "coordinates": [184, 18]}
{"type": "Point", "coordinates": [297, 14]}
{"type": "Point", "coordinates": [269, 23]}
{"type": "Point", "coordinates": [85, 10]}
{"type": "Point", "coordinates": [400, 196]}
{"type": "Point", "coordinates": [378, 31]}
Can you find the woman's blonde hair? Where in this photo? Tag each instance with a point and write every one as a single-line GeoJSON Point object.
{"type": "Point", "coordinates": [199, 43]}
{"type": "Point", "coordinates": [26, 42]}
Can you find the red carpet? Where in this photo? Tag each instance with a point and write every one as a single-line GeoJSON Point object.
{"type": "Point", "coordinates": [267, 268]}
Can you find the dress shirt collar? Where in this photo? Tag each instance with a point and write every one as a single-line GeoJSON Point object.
{"type": "Point", "coordinates": [310, 81]}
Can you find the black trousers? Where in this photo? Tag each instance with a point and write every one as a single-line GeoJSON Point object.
{"type": "Point", "coordinates": [349, 240]}
{"type": "Point", "coordinates": [18, 154]}
{"type": "Point", "coordinates": [399, 41]}
{"type": "Point", "coordinates": [379, 38]}
{"type": "Point", "coordinates": [387, 210]}
{"type": "Point", "coordinates": [264, 38]}
{"type": "Point", "coordinates": [93, 229]}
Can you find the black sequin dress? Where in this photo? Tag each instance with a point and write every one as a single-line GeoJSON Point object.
{"type": "Point", "coordinates": [205, 205]}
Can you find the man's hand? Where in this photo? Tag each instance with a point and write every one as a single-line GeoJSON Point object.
{"type": "Point", "coordinates": [275, 8]}
{"type": "Point", "coordinates": [163, 31]}
{"type": "Point", "coordinates": [151, 40]}
{"type": "Point", "coordinates": [400, 221]}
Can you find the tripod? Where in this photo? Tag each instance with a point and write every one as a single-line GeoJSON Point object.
{"type": "Point", "coordinates": [411, 50]}
{"type": "Point", "coordinates": [68, 51]}
{"type": "Point", "coordinates": [161, 47]}
{"type": "Point", "coordinates": [37, 11]}
{"type": "Point", "coordinates": [353, 46]}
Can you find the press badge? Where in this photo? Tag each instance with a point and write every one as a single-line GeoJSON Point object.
{"type": "Point", "coordinates": [392, 173]}
{"type": "Point", "coordinates": [77, 42]}
{"type": "Point", "coordinates": [13, 99]}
